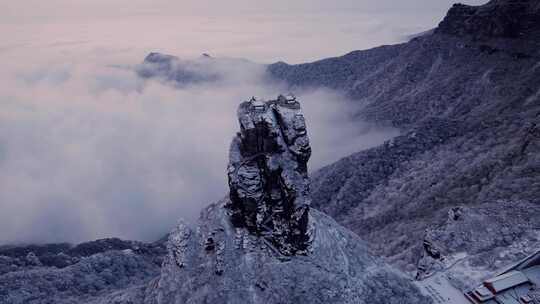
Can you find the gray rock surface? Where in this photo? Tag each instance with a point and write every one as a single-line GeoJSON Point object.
{"type": "Point", "coordinates": [264, 244]}
{"type": "Point", "coordinates": [243, 268]}
{"type": "Point", "coordinates": [268, 180]}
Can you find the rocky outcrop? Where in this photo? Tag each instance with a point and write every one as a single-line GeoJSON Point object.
{"type": "Point", "coordinates": [237, 266]}
{"type": "Point", "coordinates": [268, 181]}
{"type": "Point", "coordinates": [263, 244]}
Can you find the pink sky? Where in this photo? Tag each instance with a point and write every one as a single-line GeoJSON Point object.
{"type": "Point", "coordinates": [267, 31]}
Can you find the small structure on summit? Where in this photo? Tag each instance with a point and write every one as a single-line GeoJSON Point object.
{"type": "Point", "coordinates": [267, 173]}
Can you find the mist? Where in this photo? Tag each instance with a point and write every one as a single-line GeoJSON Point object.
{"type": "Point", "coordinates": [90, 150]}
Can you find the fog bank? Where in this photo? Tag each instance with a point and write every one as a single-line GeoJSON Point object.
{"type": "Point", "coordinates": [89, 150]}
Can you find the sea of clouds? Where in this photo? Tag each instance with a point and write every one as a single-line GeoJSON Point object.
{"type": "Point", "coordinates": [88, 149]}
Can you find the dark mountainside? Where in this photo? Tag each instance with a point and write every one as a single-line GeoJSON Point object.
{"type": "Point", "coordinates": [458, 191]}
{"type": "Point", "coordinates": [468, 100]}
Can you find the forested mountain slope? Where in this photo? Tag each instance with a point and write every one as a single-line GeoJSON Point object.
{"type": "Point", "coordinates": [467, 98]}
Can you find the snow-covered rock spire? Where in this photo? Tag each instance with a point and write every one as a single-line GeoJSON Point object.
{"type": "Point", "coordinates": [268, 180]}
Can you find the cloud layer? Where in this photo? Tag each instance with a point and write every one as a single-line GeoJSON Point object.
{"type": "Point", "coordinates": [89, 150]}
{"type": "Point", "coordinates": [265, 31]}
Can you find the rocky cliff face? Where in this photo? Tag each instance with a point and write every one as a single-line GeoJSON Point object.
{"type": "Point", "coordinates": [269, 186]}
{"type": "Point", "coordinates": [241, 267]}
{"type": "Point", "coordinates": [264, 244]}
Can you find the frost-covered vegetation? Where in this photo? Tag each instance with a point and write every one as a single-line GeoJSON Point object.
{"type": "Point", "coordinates": [468, 104]}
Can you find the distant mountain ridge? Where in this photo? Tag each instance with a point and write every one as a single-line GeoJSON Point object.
{"type": "Point", "coordinates": [497, 18]}
{"type": "Point", "coordinates": [204, 69]}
